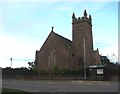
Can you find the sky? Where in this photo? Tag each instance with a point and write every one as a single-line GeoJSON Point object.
{"type": "Point", "coordinates": [24, 26]}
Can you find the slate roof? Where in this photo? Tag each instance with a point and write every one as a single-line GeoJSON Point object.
{"type": "Point", "coordinates": [66, 41]}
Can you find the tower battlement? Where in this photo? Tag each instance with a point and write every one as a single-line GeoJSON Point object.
{"type": "Point", "coordinates": [82, 19]}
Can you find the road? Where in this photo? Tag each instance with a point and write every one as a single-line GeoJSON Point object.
{"type": "Point", "coordinates": [61, 86]}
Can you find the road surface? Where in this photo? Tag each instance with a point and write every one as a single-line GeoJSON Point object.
{"type": "Point", "coordinates": [61, 86]}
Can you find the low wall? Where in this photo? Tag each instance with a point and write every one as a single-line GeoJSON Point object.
{"type": "Point", "coordinates": [58, 77]}
{"type": "Point", "coordinates": [45, 77]}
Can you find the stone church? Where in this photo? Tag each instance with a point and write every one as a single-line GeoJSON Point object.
{"type": "Point", "coordinates": [60, 51]}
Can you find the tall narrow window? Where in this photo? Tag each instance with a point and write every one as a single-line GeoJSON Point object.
{"type": "Point", "coordinates": [51, 58]}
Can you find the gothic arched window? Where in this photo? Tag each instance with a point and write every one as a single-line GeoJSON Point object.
{"type": "Point", "coordinates": [51, 57]}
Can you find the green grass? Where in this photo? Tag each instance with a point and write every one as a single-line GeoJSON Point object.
{"type": "Point", "coordinates": [13, 91]}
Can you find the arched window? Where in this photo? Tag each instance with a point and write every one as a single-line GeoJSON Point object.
{"type": "Point", "coordinates": [51, 58]}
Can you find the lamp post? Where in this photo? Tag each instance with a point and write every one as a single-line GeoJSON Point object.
{"type": "Point", "coordinates": [11, 62]}
{"type": "Point", "coordinates": [84, 48]}
{"type": "Point", "coordinates": [84, 60]}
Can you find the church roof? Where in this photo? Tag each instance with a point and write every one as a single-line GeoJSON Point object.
{"type": "Point", "coordinates": [63, 39]}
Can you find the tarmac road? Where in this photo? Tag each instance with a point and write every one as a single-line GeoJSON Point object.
{"type": "Point", "coordinates": [61, 85]}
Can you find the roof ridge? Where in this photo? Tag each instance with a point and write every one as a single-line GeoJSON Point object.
{"type": "Point", "coordinates": [62, 36]}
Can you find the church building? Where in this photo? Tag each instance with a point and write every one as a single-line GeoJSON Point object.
{"type": "Point", "coordinates": [64, 53]}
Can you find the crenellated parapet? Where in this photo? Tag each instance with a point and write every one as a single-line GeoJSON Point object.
{"type": "Point", "coordinates": [82, 19]}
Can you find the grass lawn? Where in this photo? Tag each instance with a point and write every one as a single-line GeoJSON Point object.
{"type": "Point", "coordinates": [13, 91]}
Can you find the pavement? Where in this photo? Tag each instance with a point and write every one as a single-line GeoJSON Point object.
{"type": "Point", "coordinates": [61, 85]}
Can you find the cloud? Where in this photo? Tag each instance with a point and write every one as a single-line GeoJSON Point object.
{"type": "Point", "coordinates": [102, 45]}
{"type": "Point", "coordinates": [22, 33]}
{"type": "Point", "coordinates": [27, 25]}
{"type": "Point", "coordinates": [59, 0]}
{"type": "Point", "coordinates": [64, 6]}
{"type": "Point", "coordinates": [109, 51]}
{"type": "Point", "coordinates": [30, 0]}
{"type": "Point", "coordinates": [20, 51]}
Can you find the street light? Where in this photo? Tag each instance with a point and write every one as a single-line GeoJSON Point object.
{"type": "Point", "coordinates": [11, 62]}
{"type": "Point", "coordinates": [84, 42]}
{"type": "Point", "coordinates": [84, 60]}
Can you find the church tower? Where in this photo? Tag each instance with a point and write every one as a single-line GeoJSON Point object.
{"type": "Point", "coordinates": [82, 40]}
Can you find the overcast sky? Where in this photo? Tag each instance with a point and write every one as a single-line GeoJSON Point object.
{"type": "Point", "coordinates": [24, 26]}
